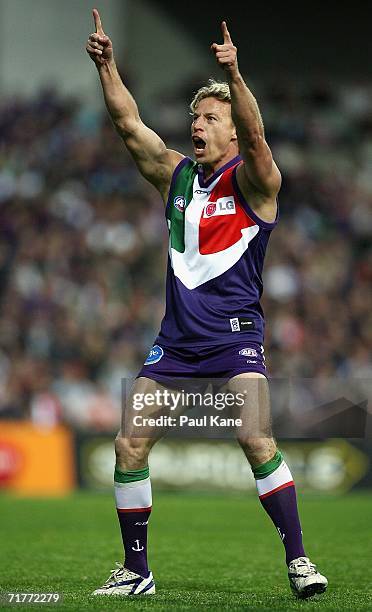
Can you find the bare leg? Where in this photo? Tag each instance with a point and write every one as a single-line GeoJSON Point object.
{"type": "Point", "coordinates": [274, 480]}
{"type": "Point", "coordinates": [132, 479]}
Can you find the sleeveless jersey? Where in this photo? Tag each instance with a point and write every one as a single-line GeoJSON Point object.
{"type": "Point", "coordinates": [217, 247]}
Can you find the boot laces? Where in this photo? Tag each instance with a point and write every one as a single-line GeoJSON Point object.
{"type": "Point", "coordinates": [303, 567]}
{"type": "Point", "coordinates": [119, 573]}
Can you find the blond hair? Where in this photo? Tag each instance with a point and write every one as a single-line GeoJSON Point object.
{"type": "Point", "coordinates": [215, 89]}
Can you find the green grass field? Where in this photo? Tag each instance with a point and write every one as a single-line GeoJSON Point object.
{"type": "Point", "coordinates": [206, 552]}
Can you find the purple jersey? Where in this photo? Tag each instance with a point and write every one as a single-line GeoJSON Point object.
{"type": "Point", "coordinates": [217, 247]}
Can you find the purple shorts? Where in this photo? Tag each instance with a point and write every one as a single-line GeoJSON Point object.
{"type": "Point", "coordinates": [166, 364]}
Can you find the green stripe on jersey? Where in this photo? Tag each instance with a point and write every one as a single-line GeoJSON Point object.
{"type": "Point", "coordinates": [183, 187]}
{"type": "Point", "coordinates": [131, 475]}
{"type": "Point", "coordinates": [265, 469]}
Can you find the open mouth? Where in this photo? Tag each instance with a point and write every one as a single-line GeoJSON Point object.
{"type": "Point", "coordinates": [199, 144]}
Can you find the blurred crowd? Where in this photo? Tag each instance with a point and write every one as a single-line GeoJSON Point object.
{"type": "Point", "coordinates": [83, 246]}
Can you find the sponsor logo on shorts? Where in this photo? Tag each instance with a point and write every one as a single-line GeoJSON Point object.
{"type": "Point", "coordinates": [223, 206]}
{"type": "Point", "coordinates": [248, 352]}
{"type": "Point", "coordinates": [180, 203]}
{"type": "Point", "coordinates": [154, 355]}
{"type": "Point", "coordinates": [251, 361]}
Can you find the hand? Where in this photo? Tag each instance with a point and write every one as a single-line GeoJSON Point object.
{"type": "Point", "coordinates": [226, 54]}
{"type": "Point", "coordinates": [99, 46]}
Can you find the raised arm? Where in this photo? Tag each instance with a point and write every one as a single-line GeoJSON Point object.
{"type": "Point", "coordinates": [258, 177]}
{"type": "Point", "coordinates": [155, 162]}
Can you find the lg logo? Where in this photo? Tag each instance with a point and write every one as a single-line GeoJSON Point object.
{"type": "Point", "coordinates": [223, 206]}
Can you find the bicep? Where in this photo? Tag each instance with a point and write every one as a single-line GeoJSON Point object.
{"type": "Point", "coordinates": [259, 168]}
{"type": "Point", "coordinates": [154, 161]}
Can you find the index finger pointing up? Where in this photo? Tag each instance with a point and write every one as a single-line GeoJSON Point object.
{"type": "Point", "coordinates": [97, 22]}
{"type": "Point", "coordinates": [225, 33]}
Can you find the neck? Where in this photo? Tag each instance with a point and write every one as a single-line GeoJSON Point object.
{"type": "Point", "coordinates": [212, 168]}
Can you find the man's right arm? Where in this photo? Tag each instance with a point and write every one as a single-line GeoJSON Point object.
{"type": "Point", "coordinates": [155, 162]}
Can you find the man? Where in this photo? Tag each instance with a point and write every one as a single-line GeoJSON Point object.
{"type": "Point", "coordinates": [220, 211]}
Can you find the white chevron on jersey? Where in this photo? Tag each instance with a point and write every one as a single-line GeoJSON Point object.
{"type": "Point", "coordinates": [193, 268]}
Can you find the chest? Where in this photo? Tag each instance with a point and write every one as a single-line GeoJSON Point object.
{"type": "Point", "coordinates": [214, 218]}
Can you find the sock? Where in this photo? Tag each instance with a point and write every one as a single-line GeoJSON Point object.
{"type": "Point", "coordinates": [133, 504]}
{"type": "Point", "coordinates": [277, 494]}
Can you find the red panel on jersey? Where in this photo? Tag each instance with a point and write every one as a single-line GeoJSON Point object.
{"type": "Point", "coordinates": [222, 219]}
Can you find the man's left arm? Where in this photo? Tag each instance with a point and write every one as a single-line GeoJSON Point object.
{"type": "Point", "coordinates": [259, 174]}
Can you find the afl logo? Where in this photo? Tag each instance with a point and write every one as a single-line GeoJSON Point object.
{"type": "Point", "coordinates": [210, 209]}
{"type": "Point", "coordinates": [179, 203]}
{"type": "Point", "coordinates": [154, 355]}
{"type": "Point", "coordinates": [248, 352]}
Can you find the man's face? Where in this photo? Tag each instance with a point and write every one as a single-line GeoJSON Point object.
{"type": "Point", "coordinates": [212, 131]}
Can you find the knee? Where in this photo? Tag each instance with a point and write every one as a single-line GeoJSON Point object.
{"type": "Point", "coordinates": [131, 453]}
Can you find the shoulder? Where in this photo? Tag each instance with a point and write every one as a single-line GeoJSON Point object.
{"type": "Point", "coordinates": [174, 160]}
{"type": "Point", "coordinates": [184, 170]}
{"type": "Point", "coordinates": [265, 206]}
{"type": "Point", "coordinates": [183, 166]}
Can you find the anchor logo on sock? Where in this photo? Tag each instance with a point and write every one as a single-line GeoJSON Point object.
{"type": "Point", "coordinates": [139, 548]}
